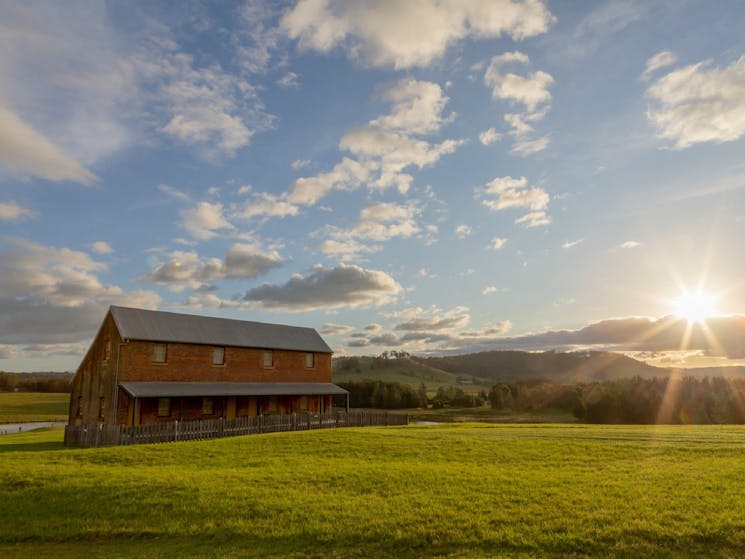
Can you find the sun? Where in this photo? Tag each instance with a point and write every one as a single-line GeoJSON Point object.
{"type": "Point", "coordinates": [694, 306]}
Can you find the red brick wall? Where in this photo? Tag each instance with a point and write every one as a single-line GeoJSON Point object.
{"type": "Point", "coordinates": [193, 363]}
{"type": "Point", "coordinates": [96, 379]}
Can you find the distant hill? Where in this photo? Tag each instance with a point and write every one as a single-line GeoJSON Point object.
{"type": "Point", "coordinates": [475, 371]}
{"type": "Point", "coordinates": [577, 366]}
{"type": "Point", "coordinates": [409, 371]}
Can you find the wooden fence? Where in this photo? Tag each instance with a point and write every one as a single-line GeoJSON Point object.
{"type": "Point", "coordinates": [111, 435]}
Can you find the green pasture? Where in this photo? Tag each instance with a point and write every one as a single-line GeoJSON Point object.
{"type": "Point", "coordinates": [453, 490]}
{"type": "Point", "coordinates": [17, 407]}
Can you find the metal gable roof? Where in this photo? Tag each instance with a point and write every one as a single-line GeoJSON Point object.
{"type": "Point", "coordinates": [215, 389]}
{"type": "Point", "coordinates": [160, 326]}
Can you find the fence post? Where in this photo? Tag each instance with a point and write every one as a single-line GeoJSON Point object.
{"type": "Point", "coordinates": [175, 434]}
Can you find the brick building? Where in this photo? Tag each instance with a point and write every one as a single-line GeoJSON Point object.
{"type": "Point", "coordinates": [150, 366]}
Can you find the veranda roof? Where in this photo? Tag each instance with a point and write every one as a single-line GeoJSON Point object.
{"type": "Point", "coordinates": [213, 389]}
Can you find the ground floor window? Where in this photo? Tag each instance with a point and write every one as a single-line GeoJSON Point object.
{"type": "Point", "coordinates": [208, 406]}
{"type": "Point", "coordinates": [164, 407]}
{"type": "Point", "coordinates": [101, 407]}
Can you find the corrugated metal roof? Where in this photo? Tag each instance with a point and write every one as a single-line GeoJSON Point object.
{"type": "Point", "coordinates": [211, 389]}
{"type": "Point", "coordinates": [159, 326]}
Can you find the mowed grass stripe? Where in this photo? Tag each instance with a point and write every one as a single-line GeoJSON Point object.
{"type": "Point", "coordinates": [418, 491]}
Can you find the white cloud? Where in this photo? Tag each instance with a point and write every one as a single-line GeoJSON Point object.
{"type": "Point", "coordinates": [327, 288]}
{"type": "Point", "coordinates": [300, 163]}
{"type": "Point", "coordinates": [174, 193]}
{"type": "Point", "coordinates": [25, 151]}
{"type": "Point", "coordinates": [54, 295]}
{"type": "Point", "coordinates": [205, 220]}
{"type": "Point", "coordinates": [489, 289]}
{"type": "Point", "coordinates": [334, 329]}
{"type": "Point", "coordinates": [508, 192]}
{"type": "Point", "coordinates": [432, 328]}
{"type": "Point", "coordinates": [258, 35]}
{"type": "Point", "coordinates": [530, 90]}
{"type": "Point", "coordinates": [101, 247]}
{"type": "Point", "coordinates": [497, 243]}
{"type": "Point", "coordinates": [242, 261]}
{"type": "Point", "coordinates": [348, 174]}
{"type": "Point", "coordinates": [660, 60]}
{"type": "Point", "coordinates": [12, 211]}
{"type": "Point", "coordinates": [245, 260]}
{"type": "Point", "coordinates": [264, 204]}
{"type": "Point", "coordinates": [525, 147]}
{"type": "Point", "coordinates": [534, 219]}
{"type": "Point", "coordinates": [432, 319]}
{"type": "Point", "coordinates": [378, 223]}
{"type": "Point", "coordinates": [387, 146]}
{"type": "Point", "coordinates": [631, 244]}
{"type": "Point", "coordinates": [571, 244]}
{"type": "Point", "coordinates": [346, 249]}
{"type": "Point", "coordinates": [488, 137]}
{"type": "Point", "coordinates": [463, 231]}
{"type": "Point", "coordinates": [290, 79]}
{"type": "Point", "coordinates": [412, 33]}
{"type": "Point", "coordinates": [511, 192]}
{"type": "Point", "coordinates": [699, 103]}
{"type": "Point", "coordinates": [417, 108]}
{"type": "Point", "coordinates": [113, 86]}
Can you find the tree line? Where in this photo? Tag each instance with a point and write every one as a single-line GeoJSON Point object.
{"type": "Point", "coordinates": [35, 382]}
{"type": "Point", "coordinates": [394, 396]}
{"type": "Point", "coordinates": [669, 400]}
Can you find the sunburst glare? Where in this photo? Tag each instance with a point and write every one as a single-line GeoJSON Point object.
{"type": "Point", "coordinates": [695, 306]}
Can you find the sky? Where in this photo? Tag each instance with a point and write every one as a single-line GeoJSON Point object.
{"type": "Point", "coordinates": [428, 176]}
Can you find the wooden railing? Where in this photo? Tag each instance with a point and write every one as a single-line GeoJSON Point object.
{"type": "Point", "coordinates": [111, 435]}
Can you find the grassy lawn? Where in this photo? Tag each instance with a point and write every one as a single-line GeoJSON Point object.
{"type": "Point", "coordinates": [17, 407]}
{"type": "Point", "coordinates": [454, 490]}
{"type": "Point", "coordinates": [489, 415]}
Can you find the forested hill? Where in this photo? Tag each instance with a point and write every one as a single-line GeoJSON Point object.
{"type": "Point", "coordinates": [581, 366]}
{"type": "Point", "coordinates": [479, 369]}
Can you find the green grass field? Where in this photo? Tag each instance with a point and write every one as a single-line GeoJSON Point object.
{"type": "Point", "coordinates": [16, 407]}
{"type": "Point", "coordinates": [467, 490]}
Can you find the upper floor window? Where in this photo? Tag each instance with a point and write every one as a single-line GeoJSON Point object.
{"type": "Point", "coordinates": [159, 353]}
{"type": "Point", "coordinates": [268, 358]}
{"type": "Point", "coordinates": [310, 360]}
{"type": "Point", "coordinates": [164, 407]}
{"type": "Point", "coordinates": [107, 350]}
{"type": "Point", "coordinates": [218, 356]}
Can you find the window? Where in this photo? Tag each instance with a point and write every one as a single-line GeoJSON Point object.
{"type": "Point", "coordinates": [268, 358]}
{"type": "Point", "coordinates": [310, 360]}
{"type": "Point", "coordinates": [107, 350]}
{"type": "Point", "coordinates": [80, 406]}
{"type": "Point", "coordinates": [159, 353]}
{"type": "Point", "coordinates": [101, 407]}
{"type": "Point", "coordinates": [164, 407]}
{"type": "Point", "coordinates": [218, 356]}
{"type": "Point", "coordinates": [208, 406]}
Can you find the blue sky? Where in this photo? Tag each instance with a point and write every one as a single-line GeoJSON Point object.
{"type": "Point", "coordinates": [429, 176]}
